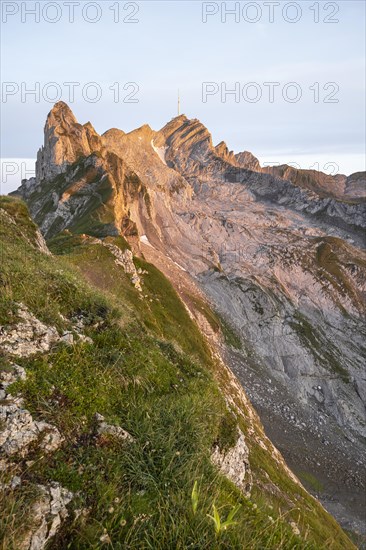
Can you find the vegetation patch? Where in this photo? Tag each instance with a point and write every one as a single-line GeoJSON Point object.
{"type": "Point", "coordinates": [316, 343]}
{"type": "Point", "coordinates": [311, 481]}
{"type": "Point", "coordinates": [149, 371]}
{"type": "Point", "coordinates": [217, 323]}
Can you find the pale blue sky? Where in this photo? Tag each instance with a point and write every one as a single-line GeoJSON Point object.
{"type": "Point", "coordinates": [172, 48]}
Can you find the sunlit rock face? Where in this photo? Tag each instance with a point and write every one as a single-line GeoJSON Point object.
{"type": "Point", "coordinates": [278, 252]}
{"type": "Point", "coordinates": [65, 140]}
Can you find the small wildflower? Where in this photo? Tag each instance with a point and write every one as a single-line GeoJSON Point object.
{"type": "Point", "coordinates": [105, 539]}
{"type": "Point", "coordinates": [110, 510]}
{"type": "Point", "coordinates": [116, 500]}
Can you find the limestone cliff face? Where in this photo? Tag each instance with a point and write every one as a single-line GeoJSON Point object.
{"type": "Point", "coordinates": [281, 259]}
{"type": "Point", "coordinates": [355, 186]}
{"type": "Point", "coordinates": [247, 160]}
{"type": "Point", "coordinates": [65, 141]}
{"type": "Point", "coordinates": [140, 149]}
{"type": "Point", "coordinates": [318, 182]}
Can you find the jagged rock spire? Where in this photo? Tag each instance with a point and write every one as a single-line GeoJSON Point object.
{"type": "Point", "coordinates": [65, 140]}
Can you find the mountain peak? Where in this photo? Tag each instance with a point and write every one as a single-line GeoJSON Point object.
{"type": "Point", "coordinates": [59, 113]}
{"type": "Point", "coordinates": [184, 133]}
{"type": "Point", "coordinates": [222, 149]}
{"type": "Point", "coordinates": [61, 106]}
{"type": "Point", "coordinates": [248, 161]}
{"type": "Point", "coordinates": [65, 141]}
{"type": "Point", "coordinates": [180, 118]}
{"type": "Point", "coordinates": [144, 131]}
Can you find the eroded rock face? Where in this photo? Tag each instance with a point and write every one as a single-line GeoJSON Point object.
{"type": "Point", "coordinates": [245, 160]}
{"type": "Point", "coordinates": [46, 515]}
{"type": "Point", "coordinates": [248, 161]}
{"type": "Point", "coordinates": [322, 184]}
{"type": "Point", "coordinates": [191, 153]}
{"type": "Point", "coordinates": [65, 142]}
{"type": "Point", "coordinates": [234, 464]}
{"type": "Point", "coordinates": [355, 186]}
{"type": "Point", "coordinates": [94, 193]}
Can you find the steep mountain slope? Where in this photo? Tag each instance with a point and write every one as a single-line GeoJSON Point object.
{"type": "Point", "coordinates": [113, 406]}
{"type": "Point", "coordinates": [281, 264]}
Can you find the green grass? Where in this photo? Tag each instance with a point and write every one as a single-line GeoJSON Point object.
{"type": "Point", "coordinates": [150, 371]}
{"type": "Point", "coordinates": [160, 311]}
{"type": "Point", "coordinates": [328, 260]}
{"type": "Point", "coordinates": [316, 343]}
{"type": "Point", "coordinates": [217, 323]}
{"type": "Point", "coordinates": [310, 480]}
{"type": "Point", "coordinates": [14, 514]}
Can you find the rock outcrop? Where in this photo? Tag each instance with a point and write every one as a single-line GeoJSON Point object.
{"type": "Point", "coordinates": [18, 428]}
{"type": "Point", "coordinates": [28, 336]}
{"type": "Point", "coordinates": [65, 142]}
{"type": "Point", "coordinates": [105, 429]}
{"type": "Point", "coordinates": [314, 181]}
{"type": "Point", "coordinates": [247, 161]}
{"type": "Point", "coordinates": [234, 464]}
{"type": "Point", "coordinates": [45, 516]}
{"type": "Point", "coordinates": [20, 433]}
{"type": "Point", "coordinates": [125, 260]}
{"type": "Point", "coordinates": [355, 186]}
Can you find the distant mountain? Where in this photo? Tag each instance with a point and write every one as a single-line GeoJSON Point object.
{"type": "Point", "coordinates": [278, 252]}
{"type": "Point", "coordinates": [338, 187]}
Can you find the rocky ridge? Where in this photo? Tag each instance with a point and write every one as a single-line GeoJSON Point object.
{"type": "Point", "coordinates": [280, 259]}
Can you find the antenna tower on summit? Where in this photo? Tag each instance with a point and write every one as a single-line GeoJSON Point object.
{"type": "Point", "coordinates": [178, 103]}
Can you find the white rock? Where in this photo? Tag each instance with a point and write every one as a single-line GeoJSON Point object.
{"type": "Point", "coordinates": [67, 338]}
{"type": "Point", "coordinates": [18, 429]}
{"type": "Point", "coordinates": [234, 464]}
{"type": "Point", "coordinates": [46, 515]}
{"type": "Point", "coordinates": [108, 429]}
{"type": "Point", "coordinates": [27, 337]}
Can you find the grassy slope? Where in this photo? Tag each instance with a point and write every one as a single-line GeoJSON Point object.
{"type": "Point", "coordinates": [150, 371]}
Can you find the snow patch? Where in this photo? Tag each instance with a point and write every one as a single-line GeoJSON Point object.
{"type": "Point", "coordinates": [145, 240]}
{"type": "Point", "coordinates": [160, 151]}
{"type": "Point", "coordinates": [180, 267]}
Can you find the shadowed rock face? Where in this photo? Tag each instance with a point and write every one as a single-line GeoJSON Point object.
{"type": "Point", "coordinates": [280, 259]}
{"type": "Point", "coordinates": [312, 180]}
{"type": "Point", "coordinates": [242, 160]}
{"type": "Point", "coordinates": [355, 186]}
